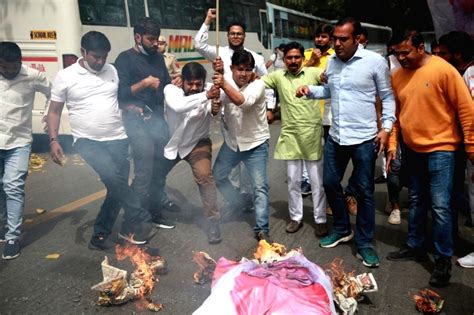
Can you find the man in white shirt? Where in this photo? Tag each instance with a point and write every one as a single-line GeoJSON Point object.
{"type": "Point", "coordinates": [18, 85]}
{"type": "Point", "coordinates": [236, 39]}
{"type": "Point", "coordinates": [246, 133]}
{"type": "Point", "coordinates": [188, 112]}
{"type": "Point", "coordinates": [89, 89]}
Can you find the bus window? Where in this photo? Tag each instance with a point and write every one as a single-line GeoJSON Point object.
{"type": "Point", "coordinates": [136, 10]}
{"type": "Point", "coordinates": [156, 11]}
{"type": "Point", "coordinates": [102, 12]}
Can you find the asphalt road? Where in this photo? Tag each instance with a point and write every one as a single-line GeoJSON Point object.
{"type": "Point", "coordinates": [71, 196]}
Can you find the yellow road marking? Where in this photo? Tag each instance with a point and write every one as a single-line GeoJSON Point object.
{"type": "Point", "coordinates": [76, 204]}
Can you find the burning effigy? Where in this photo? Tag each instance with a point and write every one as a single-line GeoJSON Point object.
{"type": "Point", "coordinates": [348, 288]}
{"type": "Point", "coordinates": [275, 282]}
{"type": "Point", "coordinates": [428, 302]}
{"type": "Point", "coordinates": [115, 289]}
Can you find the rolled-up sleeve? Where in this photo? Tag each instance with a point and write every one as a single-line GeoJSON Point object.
{"type": "Point", "coordinates": [385, 92]}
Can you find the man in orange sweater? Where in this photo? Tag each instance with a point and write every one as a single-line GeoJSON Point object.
{"type": "Point", "coordinates": [432, 99]}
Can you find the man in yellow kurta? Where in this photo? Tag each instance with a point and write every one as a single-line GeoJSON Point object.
{"type": "Point", "coordinates": [300, 139]}
{"type": "Point", "coordinates": [318, 57]}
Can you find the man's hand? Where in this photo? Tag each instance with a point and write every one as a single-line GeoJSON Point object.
{"type": "Point", "coordinates": [151, 82]}
{"type": "Point", "coordinates": [381, 139]}
{"type": "Point", "coordinates": [218, 80]}
{"type": "Point", "coordinates": [302, 91]}
{"type": "Point", "coordinates": [270, 117]}
{"type": "Point", "coordinates": [218, 65]}
{"type": "Point", "coordinates": [178, 81]}
{"type": "Point", "coordinates": [134, 109]}
{"type": "Point", "coordinates": [214, 92]}
{"type": "Point", "coordinates": [316, 54]}
{"type": "Point", "coordinates": [57, 152]}
{"type": "Point", "coordinates": [323, 78]}
{"type": "Point", "coordinates": [211, 16]}
{"type": "Point", "coordinates": [390, 157]}
{"type": "Point", "coordinates": [215, 106]}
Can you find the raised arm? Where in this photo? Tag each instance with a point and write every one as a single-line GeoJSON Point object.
{"type": "Point", "coordinates": [202, 36]}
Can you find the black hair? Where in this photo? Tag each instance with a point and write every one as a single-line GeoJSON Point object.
{"type": "Point", "coordinates": [458, 42]}
{"type": "Point", "coordinates": [434, 44]}
{"type": "Point", "coordinates": [400, 36]}
{"type": "Point", "coordinates": [324, 28]}
{"type": "Point", "coordinates": [355, 24]}
{"type": "Point", "coordinates": [281, 46]}
{"type": "Point", "coordinates": [147, 25]}
{"type": "Point", "coordinates": [193, 71]}
{"type": "Point", "coordinates": [235, 23]}
{"type": "Point", "coordinates": [10, 52]}
{"type": "Point", "coordinates": [293, 45]}
{"type": "Point", "coordinates": [243, 57]}
{"type": "Point", "coordinates": [95, 41]}
{"type": "Point", "coordinates": [364, 32]}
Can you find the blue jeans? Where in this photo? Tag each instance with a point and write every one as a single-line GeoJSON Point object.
{"type": "Point", "coordinates": [430, 182]}
{"type": "Point", "coordinates": [110, 160]}
{"type": "Point", "coordinates": [255, 160]}
{"type": "Point", "coordinates": [336, 158]}
{"type": "Point", "coordinates": [395, 180]}
{"type": "Point", "coordinates": [13, 172]}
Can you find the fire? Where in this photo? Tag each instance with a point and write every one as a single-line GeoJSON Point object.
{"type": "Point", "coordinates": [340, 278]}
{"type": "Point", "coordinates": [143, 277]}
{"type": "Point", "coordinates": [428, 301]}
{"type": "Point", "coordinates": [268, 253]}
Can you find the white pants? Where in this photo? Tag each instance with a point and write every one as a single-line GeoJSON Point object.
{"type": "Point", "coordinates": [294, 171]}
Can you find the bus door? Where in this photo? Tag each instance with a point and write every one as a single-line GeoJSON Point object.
{"type": "Point", "coordinates": [264, 30]}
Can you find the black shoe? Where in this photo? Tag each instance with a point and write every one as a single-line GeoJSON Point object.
{"type": "Point", "coordinates": [140, 234]}
{"type": "Point", "coordinates": [162, 223]}
{"type": "Point", "coordinates": [380, 180]}
{"type": "Point", "coordinates": [305, 188]}
{"type": "Point", "coordinates": [213, 232]}
{"type": "Point", "coordinates": [3, 232]}
{"type": "Point", "coordinates": [170, 206]}
{"type": "Point", "coordinates": [407, 253]}
{"type": "Point", "coordinates": [11, 250]}
{"type": "Point", "coordinates": [441, 273]}
{"type": "Point", "coordinates": [262, 235]}
{"type": "Point", "coordinates": [100, 242]}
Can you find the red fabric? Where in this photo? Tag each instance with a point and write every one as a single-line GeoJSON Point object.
{"type": "Point", "coordinates": [253, 295]}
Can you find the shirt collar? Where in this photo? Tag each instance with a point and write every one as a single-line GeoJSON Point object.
{"type": "Point", "coordinates": [82, 70]}
{"type": "Point", "coordinates": [297, 74]}
{"type": "Point", "coordinates": [359, 53]}
{"type": "Point", "coordinates": [23, 70]}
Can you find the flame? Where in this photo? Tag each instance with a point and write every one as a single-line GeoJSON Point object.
{"type": "Point", "coordinates": [428, 301]}
{"type": "Point", "coordinates": [342, 280]}
{"type": "Point", "coordinates": [142, 279]}
{"type": "Point", "coordinates": [267, 253]}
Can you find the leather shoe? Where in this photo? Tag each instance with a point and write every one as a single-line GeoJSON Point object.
{"type": "Point", "coordinates": [321, 229]}
{"type": "Point", "coordinates": [441, 273]}
{"type": "Point", "coordinates": [293, 226]}
{"type": "Point", "coordinates": [407, 253]}
{"type": "Point", "coordinates": [213, 232]}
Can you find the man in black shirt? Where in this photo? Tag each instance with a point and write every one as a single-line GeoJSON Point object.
{"type": "Point", "coordinates": [143, 76]}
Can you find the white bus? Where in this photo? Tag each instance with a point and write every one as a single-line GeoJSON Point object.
{"type": "Point", "coordinates": [286, 25]}
{"type": "Point", "coordinates": [49, 31]}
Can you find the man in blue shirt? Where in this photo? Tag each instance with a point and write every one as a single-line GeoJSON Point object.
{"type": "Point", "coordinates": [355, 76]}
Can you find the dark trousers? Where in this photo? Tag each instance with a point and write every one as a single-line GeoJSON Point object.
{"type": "Point", "coordinates": [110, 160]}
{"type": "Point", "coordinates": [336, 158]}
{"type": "Point", "coordinates": [147, 141]}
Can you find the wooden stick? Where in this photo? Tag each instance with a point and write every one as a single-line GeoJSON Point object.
{"type": "Point", "coordinates": [217, 28]}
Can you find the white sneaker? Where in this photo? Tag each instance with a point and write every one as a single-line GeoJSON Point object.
{"type": "Point", "coordinates": [394, 217]}
{"type": "Point", "coordinates": [467, 261]}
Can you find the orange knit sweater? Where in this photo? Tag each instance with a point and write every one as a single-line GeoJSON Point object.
{"type": "Point", "coordinates": [433, 104]}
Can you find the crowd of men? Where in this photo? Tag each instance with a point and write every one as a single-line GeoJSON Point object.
{"type": "Point", "coordinates": [327, 100]}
